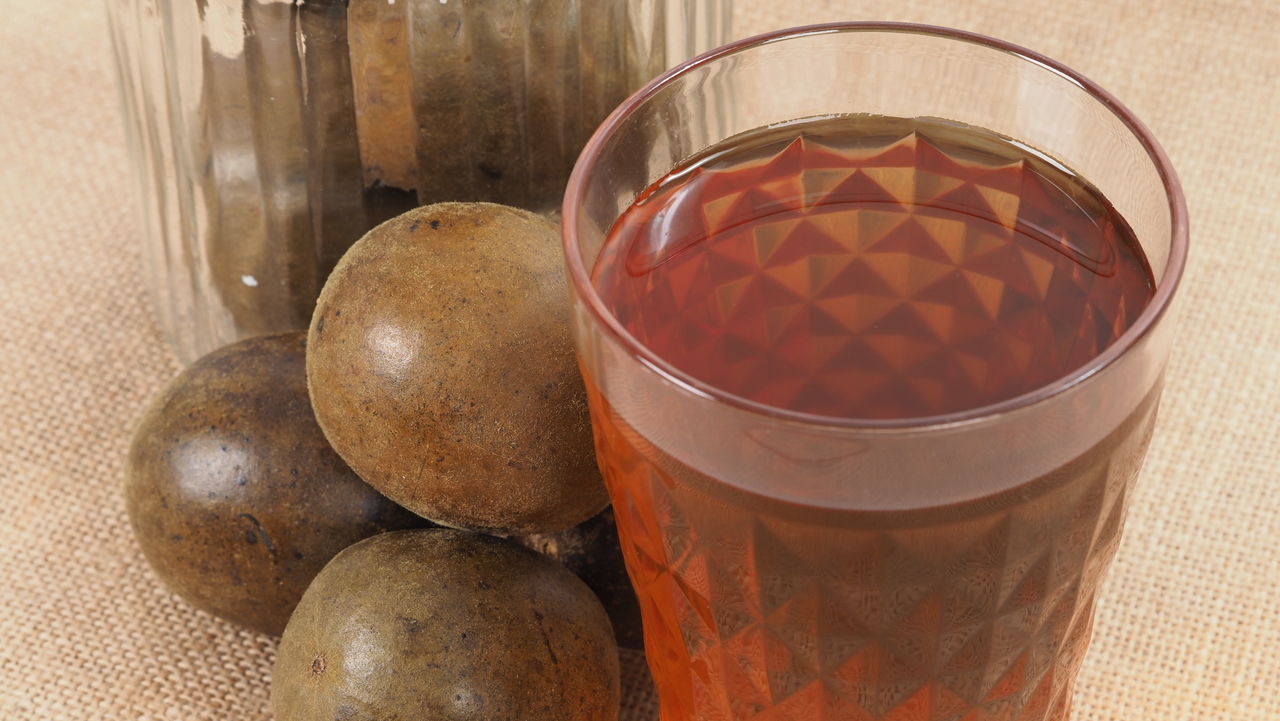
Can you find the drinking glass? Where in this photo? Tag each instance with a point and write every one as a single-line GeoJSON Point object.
{"type": "Point", "coordinates": [794, 566]}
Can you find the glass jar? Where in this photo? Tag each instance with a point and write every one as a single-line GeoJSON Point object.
{"type": "Point", "coordinates": [268, 135]}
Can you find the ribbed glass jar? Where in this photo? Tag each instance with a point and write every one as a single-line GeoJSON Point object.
{"type": "Point", "coordinates": [268, 135]}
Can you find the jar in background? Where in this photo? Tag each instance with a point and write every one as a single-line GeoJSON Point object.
{"type": "Point", "coordinates": [268, 135]}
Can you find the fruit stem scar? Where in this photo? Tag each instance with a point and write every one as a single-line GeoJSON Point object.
{"type": "Point", "coordinates": [317, 665]}
{"type": "Point", "coordinates": [262, 532]}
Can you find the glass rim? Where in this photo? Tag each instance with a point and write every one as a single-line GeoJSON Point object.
{"type": "Point", "coordinates": [580, 276]}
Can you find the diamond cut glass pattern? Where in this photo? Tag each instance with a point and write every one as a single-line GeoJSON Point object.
{"type": "Point", "coordinates": [874, 267]}
{"type": "Point", "coordinates": [761, 609]}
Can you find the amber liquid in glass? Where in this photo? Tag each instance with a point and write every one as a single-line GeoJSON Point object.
{"type": "Point", "coordinates": [873, 267]}
{"type": "Point", "coordinates": [876, 268]}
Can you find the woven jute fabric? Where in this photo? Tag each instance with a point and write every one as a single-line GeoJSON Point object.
{"type": "Point", "coordinates": [1189, 623]}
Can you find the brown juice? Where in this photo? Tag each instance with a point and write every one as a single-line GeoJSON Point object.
{"type": "Point", "coordinates": [875, 268]}
{"type": "Point", "coordinates": [872, 267]}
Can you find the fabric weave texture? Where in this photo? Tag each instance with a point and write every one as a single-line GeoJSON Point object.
{"type": "Point", "coordinates": [1188, 625]}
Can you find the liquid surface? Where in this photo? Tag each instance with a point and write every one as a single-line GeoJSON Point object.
{"type": "Point", "coordinates": [872, 267]}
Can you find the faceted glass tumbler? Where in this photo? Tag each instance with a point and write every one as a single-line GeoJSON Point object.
{"type": "Point", "coordinates": [268, 135]}
{"type": "Point", "coordinates": [806, 567]}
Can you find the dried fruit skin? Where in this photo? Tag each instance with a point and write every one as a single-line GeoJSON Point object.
{"type": "Point", "coordinates": [446, 625]}
{"type": "Point", "coordinates": [591, 550]}
{"type": "Point", "coordinates": [234, 495]}
{"type": "Point", "coordinates": [441, 367]}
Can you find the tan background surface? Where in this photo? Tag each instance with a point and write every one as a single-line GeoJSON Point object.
{"type": "Point", "coordinates": [1189, 627]}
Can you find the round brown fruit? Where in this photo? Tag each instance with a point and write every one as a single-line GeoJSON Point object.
{"type": "Point", "coordinates": [591, 550]}
{"type": "Point", "coordinates": [442, 369]}
{"type": "Point", "coordinates": [446, 625]}
{"type": "Point", "coordinates": [235, 496]}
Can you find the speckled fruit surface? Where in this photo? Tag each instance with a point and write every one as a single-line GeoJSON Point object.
{"type": "Point", "coordinates": [446, 625]}
{"type": "Point", "coordinates": [441, 367]}
{"type": "Point", "coordinates": [234, 495]}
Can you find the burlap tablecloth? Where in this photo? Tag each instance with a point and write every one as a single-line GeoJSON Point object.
{"type": "Point", "coordinates": [1189, 625]}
